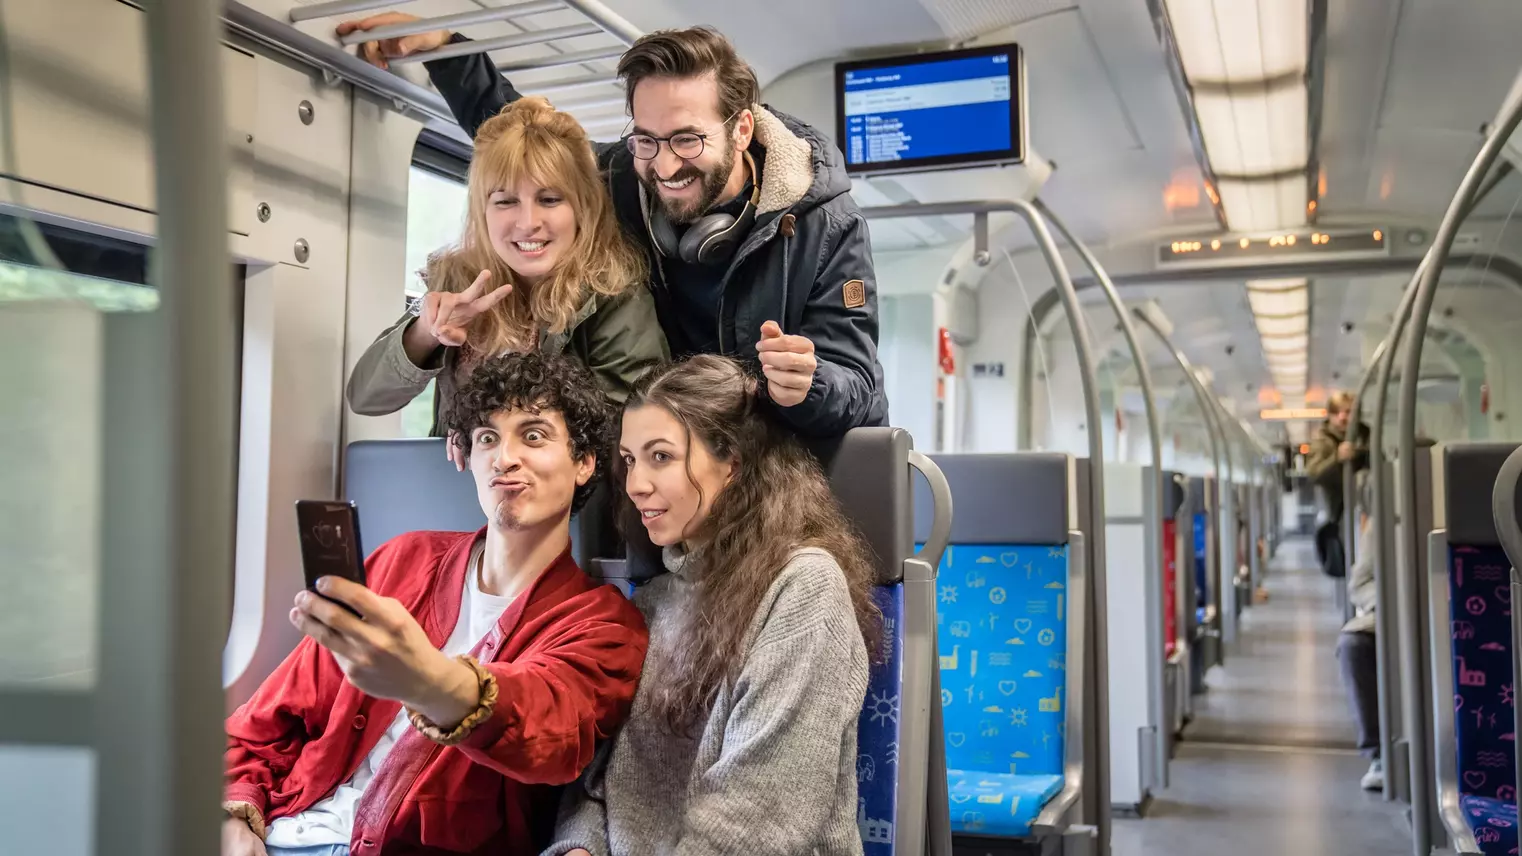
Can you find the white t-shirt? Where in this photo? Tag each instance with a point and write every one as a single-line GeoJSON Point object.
{"type": "Point", "coordinates": [331, 821]}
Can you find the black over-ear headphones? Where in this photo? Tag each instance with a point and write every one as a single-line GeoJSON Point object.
{"type": "Point", "coordinates": [713, 238]}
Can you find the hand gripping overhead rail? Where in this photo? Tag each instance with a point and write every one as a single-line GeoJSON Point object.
{"type": "Point", "coordinates": [1096, 801]}
{"type": "Point", "coordinates": [338, 64]}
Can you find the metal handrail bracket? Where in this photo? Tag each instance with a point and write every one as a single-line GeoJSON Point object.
{"type": "Point", "coordinates": [1446, 776]}
{"type": "Point", "coordinates": [1100, 789]}
{"type": "Point", "coordinates": [1153, 566]}
{"type": "Point", "coordinates": [1054, 816]}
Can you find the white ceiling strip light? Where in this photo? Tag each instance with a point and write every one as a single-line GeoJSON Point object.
{"type": "Point", "coordinates": [1281, 310]}
{"type": "Point", "coordinates": [1245, 61]}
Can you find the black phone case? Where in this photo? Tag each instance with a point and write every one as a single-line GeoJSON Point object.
{"type": "Point", "coordinates": [329, 534]}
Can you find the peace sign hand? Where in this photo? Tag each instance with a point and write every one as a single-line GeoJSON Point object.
{"type": "Point", "coordinates": [447, 315]}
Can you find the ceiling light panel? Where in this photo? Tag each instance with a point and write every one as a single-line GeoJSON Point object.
{"type": "Point", "coordinates": [1279, 304]}
{"type": "Point", "coordinates": [1239, 40]}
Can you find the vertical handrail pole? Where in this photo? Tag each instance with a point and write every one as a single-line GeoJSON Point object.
{"type": "Point", "coordinates": [1154, 508]}
{"type": "Point", "coordinates": [1203, 399]}
{"type": "Point", "coordinates": [1421, 310]}
{"type": "Point", "coordinates": [1100, 789]}
{"type": "Point", "coordinates": [166, 530]}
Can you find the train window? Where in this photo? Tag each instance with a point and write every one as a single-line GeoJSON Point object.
{"type": "Point", "coordinates": [436, 200]}
{"type": "Point", "coordinates": [56, 284]}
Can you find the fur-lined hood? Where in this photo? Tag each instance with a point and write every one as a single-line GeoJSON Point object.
{"type": "Point", "coordinates": [803, 170]}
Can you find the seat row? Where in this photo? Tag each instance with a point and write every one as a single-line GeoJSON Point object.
{"type": "Point", "coordinates": [973, 728]}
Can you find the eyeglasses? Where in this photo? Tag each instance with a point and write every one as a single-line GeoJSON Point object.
{"type": "Point", "coordinates": [685, 145]}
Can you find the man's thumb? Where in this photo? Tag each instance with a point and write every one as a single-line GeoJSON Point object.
{"type": "Point", "coordinates": [770, 330]}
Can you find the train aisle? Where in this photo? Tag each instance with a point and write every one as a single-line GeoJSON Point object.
{"type": "Point", "coordinates": [1264, 767]}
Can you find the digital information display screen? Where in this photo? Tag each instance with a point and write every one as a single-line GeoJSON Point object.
{"type": "Point", "coordinates": [931, 111]}
{"type": "Point", "coordinates": [1310, 243]}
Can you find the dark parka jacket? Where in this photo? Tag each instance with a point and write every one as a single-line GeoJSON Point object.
{"type": "Point", "coordinates": [807, 263]}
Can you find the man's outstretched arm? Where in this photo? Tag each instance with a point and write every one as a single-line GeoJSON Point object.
{"type": "Point", "coordinates": [471, 85]}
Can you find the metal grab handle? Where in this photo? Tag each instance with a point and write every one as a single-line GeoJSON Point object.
{"type": "Point", "coordinates": [940, 522]}
{"type": "Point", "coordinates": [1503, 503]}
{"type": "Point", "coordinates": [1503, 509]}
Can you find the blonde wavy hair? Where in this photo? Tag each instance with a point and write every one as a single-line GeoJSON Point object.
{"type": "Point", "coordinates": [532, 139]}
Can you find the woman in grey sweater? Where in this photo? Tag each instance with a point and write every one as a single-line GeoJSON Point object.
{"type": "Point", "coordinates": [742, 737]}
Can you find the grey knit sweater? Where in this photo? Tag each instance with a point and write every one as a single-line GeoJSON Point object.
{"type": "Point", "coordinates": [773, 770]}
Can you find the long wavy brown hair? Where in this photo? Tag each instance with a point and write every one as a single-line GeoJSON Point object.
{"type": "Point", "coordinates": [776, 502]}
{"type": "Point", "coordinates": [531, 138]}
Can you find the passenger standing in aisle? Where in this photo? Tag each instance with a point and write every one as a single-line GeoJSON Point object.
{"type": "Point", "coordinates": [755, 246]}
{"type": "Point", "coordinates": [1332, 447]}
{"type": "Point", "coordinates": [542, 265]}
{"type": "Point", "coordinates": [1356, 654]}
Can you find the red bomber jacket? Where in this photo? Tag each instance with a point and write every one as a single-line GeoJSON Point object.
{"type": "Point", "coordinates": [566, 654]}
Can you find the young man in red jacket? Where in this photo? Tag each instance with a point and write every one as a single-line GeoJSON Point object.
{"type": "Point", "coordinates": [485, 670]}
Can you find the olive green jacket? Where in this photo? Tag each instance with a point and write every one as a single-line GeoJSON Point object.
{"type": "Point", "coordinates": [617, 338]}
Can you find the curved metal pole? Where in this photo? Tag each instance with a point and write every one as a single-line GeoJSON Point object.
{"type": "Point", "coordinates": [1391, 620]}
{"type": "Point", "coordinates": [1099, 789]}
{"type": "Point", "coordinates": [1387, 614]}
{"type": "Point", "coordinates": [1503, 506]}
{"type": "Point", "coordinates": [1153, 598]}
{"type": "Point", "coordinates": [1202, 397]}
{"type": "Point", "coordinates": [1227, 537]}
{"type": "Point", "coordinates": [1087, 370]}
{"type": "Point", "coordinates": [1421, 309]}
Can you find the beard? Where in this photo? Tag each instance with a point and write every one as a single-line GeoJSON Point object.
{"type": "Point", "coordinates": [712, 184]}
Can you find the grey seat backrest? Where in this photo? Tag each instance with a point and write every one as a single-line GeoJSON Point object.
{"type": "Point", "coordinates": [868, 470]}
{"type": "Point", "coordinates": [401, 486]}
{"type": "Point", "coordinates": [404, 486]}
{"type": "Point", "coordinates": [1469, 473]}
{"type": "Point", "coordinates": [1019, 498]}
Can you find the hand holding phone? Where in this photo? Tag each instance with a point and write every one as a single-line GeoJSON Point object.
{"type": "Point", "coordinates": [329, 533]}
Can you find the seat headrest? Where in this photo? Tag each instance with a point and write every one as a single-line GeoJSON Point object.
{"type": "Point", "coordinates": [1469, 482]}
{"type": "Point", "coordinates": [402, 486]}
{"type": "Point", "coordinates": [1019, 498]}
{"type": "Point", "coordinates": [868, 469]}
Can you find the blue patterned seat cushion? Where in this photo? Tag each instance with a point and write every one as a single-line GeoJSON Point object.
{"type": "Point", "coordinates": [1201, 580]}
{"type": "Point", "coordinates": [1494, 823]}
{"type": "Point", "coordinates": [1001, 616]}
{"type": "Point", "coordinates": [877, 732]}
{"type": "Point", "coordinates": [1479, 585]}
{"type": "Point", "coordinates": [998, 804]}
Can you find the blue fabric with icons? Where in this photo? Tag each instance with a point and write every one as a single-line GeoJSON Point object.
{"type": "Point", "coordinates": [1494, 823]}
{"type": "Point", "coordinates": [998, 805]}
{"type": "Point", "coordinates": [877, 732]}
{"type": "Point", "coordinates": [1479, 588]}
{"type": "Point", "coordinates": [1001, 616]}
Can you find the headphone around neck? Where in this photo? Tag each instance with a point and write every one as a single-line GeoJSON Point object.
{"type": "Point", "coordinates": [713, 238]}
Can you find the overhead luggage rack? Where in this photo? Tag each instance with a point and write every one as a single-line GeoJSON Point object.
{"type": "Point", "coordinates": [565, 32]}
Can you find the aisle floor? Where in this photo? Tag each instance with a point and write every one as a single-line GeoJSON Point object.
{"type": "Point", "coordinates": [1265, 766]}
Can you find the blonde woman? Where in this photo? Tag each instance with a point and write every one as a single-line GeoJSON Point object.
{"type": "Point", "coordinates": [542, 265]}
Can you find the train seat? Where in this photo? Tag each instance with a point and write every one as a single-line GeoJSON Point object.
{"type": "Point", "coordinates": [1006, 625]}
{"type": "Point", "coordinates": [1470, 595]}
{"type": "Point", "coordinates": [405, 485]}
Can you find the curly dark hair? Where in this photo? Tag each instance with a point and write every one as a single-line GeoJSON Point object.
{"type": "Point", "coordinates": [536, 382]}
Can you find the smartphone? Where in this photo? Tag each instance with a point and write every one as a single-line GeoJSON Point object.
{"type": "Point", "coordinates": [329, 532]}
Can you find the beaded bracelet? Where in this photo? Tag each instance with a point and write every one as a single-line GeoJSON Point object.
{"type": "Point", "coordinates": [488, 685]}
